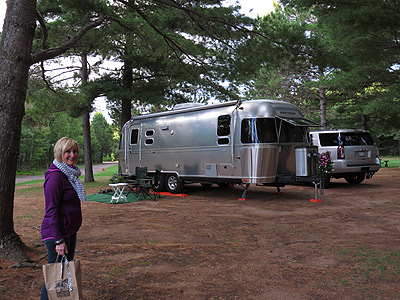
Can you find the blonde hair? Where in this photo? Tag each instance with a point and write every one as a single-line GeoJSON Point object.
{"type": "Point", "coordinates": [62, 146]}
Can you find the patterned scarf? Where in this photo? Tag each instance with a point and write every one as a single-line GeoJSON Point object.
{"type": "Point", "coordinates": [73, 173]}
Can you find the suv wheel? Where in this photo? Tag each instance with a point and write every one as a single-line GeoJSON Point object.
{"type": "Point", "coordinates": [355, 179]}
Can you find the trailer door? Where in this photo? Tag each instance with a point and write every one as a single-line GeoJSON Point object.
{"type": "Point", "coordinates": [134, 148]}
{"type": "Point", "coordinates": [122, 153]}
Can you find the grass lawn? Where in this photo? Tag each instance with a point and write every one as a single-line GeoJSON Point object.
{"type": "Point", "coordinates": [108, 173]}
{"type": "Point", "coordinates": [393, 161]}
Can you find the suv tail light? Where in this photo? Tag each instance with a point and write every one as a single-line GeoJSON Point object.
{"type": "Point", "coordinates": [340, 153]}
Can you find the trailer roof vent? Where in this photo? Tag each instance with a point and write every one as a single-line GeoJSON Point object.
{"type": "Point", "coordinates": [187, 105]}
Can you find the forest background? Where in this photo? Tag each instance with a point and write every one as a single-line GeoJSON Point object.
{"type": "Point", "coordinates": [299, 55]}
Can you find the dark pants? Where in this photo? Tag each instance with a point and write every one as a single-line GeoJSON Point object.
{"type": "Point", "coordinates": [52, 255]}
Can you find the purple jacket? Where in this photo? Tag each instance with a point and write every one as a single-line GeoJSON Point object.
{"type": "Point", "coordinates": [63, 215]}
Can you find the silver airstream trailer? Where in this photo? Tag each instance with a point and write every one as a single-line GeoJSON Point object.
{"type": "Point", "coordinates": [242, 142]}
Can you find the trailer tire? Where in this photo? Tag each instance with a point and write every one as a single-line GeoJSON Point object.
{"type": "Point", "coordinates": [173, 184]}
{"type": "Point", "coordinates": [159, 183]}
{"type": "Point", "coordinates": [224, 185]}
{"type": "Point", "coordinates": [206, 185]}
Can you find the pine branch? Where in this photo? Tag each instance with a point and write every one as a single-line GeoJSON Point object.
{"type": "Point", "coordinates": [46, 54]}
{"type": "Point", "coordinates": [45, 80]}
{"type": "Point", "coordinates": [44, 30]}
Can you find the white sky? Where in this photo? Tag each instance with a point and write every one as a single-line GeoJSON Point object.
{"type": "Point", "coordinates": [252, 8]}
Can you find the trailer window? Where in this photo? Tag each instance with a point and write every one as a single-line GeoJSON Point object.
{"type": "Point", "coordinates": [150, 132]}
{"type": "Point", "coordinates": [121, 142]}
{"type": "Point", "coordinates": [291, 133]}
{"type": "Point", "coordinates": [223, 141]}
{"type": "Point", "coordinates": [149, 141]}
{"type": "Point", "coordinates": [260, 130]}
{"type": "Point", "coordinates": [224, 125]}
{"type": "Point", "coordinates": [134, 136]}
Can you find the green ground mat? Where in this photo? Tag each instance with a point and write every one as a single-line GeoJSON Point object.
{"type": "Point", "coordinates": [106, 198]}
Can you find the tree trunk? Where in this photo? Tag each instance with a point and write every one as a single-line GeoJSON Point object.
{"type": "Point", "coordinates": [399, 147]}
{"type": "Point", "coordinates": [322, 107]}
{"type": "Point", "coordinates": [363, 121]}
{"type": "Point", "coordinates": [126, 111]}
{"type": "Point", "coordinates": [15, 60]}
{"type": "Point", "coordinates": [101, 156]}
{"type": "Point", "coordinates": [86, 127]}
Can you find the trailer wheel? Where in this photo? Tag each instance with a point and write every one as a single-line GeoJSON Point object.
{"type": "Point", "coordinates": [355, 179]}
{"type": "Point", "coordinates": [206, 185]}
{"type": "Point", "coordinates": [224, 185]}
{"type": "Point", "coordinates": [159, 183]}
{"type": "Point", "coordinates": [173, 184]}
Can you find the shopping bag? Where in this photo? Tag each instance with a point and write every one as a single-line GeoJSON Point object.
{"type": "Point", "coordinates": [63, 280]}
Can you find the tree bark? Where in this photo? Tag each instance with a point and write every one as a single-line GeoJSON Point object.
{"type": "Point", "coordinates": [398, 147]}
{"type": "Point", "coordinates": [86, 127]}
{"type": "Point", "coordinates": [364, 121]}
{"type": "Point", "coordinates": [15, 60]}
{"type": "Point", "coordinates": [127, 82]}
{"type": "Point", "coordinates": [322, 107]}
{"type": "Point", "coordinates": [101, 156]}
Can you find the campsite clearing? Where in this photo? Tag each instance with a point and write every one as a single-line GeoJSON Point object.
{"type": "Point", "coordinates": [209, 245]}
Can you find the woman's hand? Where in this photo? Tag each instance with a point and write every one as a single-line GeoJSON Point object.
{"type": "Point", "coordinates": [62, 249]}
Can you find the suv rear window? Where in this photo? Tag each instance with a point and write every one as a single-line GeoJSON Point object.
{"type": "Point", "coordinates": [346, 139]}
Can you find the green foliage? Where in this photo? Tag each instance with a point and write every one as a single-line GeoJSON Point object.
{"type": "Point", "coordinates": [37, 140]}
{"type": "Point", "coordinates": [367, 86]}
{"type": "Point", "coordinates": [104, 140]}
{"type": "Point", "coordinates": [170, 53]}
{"type": "Point", "coordinates": [40, 131]}
{"type": "Point", "coordinates": [345, 51]}
{"type": "Point", "coordinates": [46, 120]}
{"type": "Point", "coordinates": [116, 178]}
{"type": "Point", "coordinates": [33, 150]}
{"type": "Point", "coordinates": [65, 18]}
{"type": "Point", "coordinates": [295, 59]}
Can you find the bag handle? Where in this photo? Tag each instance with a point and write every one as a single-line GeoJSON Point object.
{"type": "Point", "coordinates": [68, 271]}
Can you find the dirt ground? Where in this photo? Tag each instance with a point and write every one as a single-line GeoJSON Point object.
{"type": "Point", "coordinates": [209, 245]}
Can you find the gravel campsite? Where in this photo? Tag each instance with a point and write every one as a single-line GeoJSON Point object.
{"type": "Point", "coordinates": [209, 245]}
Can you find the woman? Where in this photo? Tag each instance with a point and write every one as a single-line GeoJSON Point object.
{"type": "Point", "coordinates": [63, 193]}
